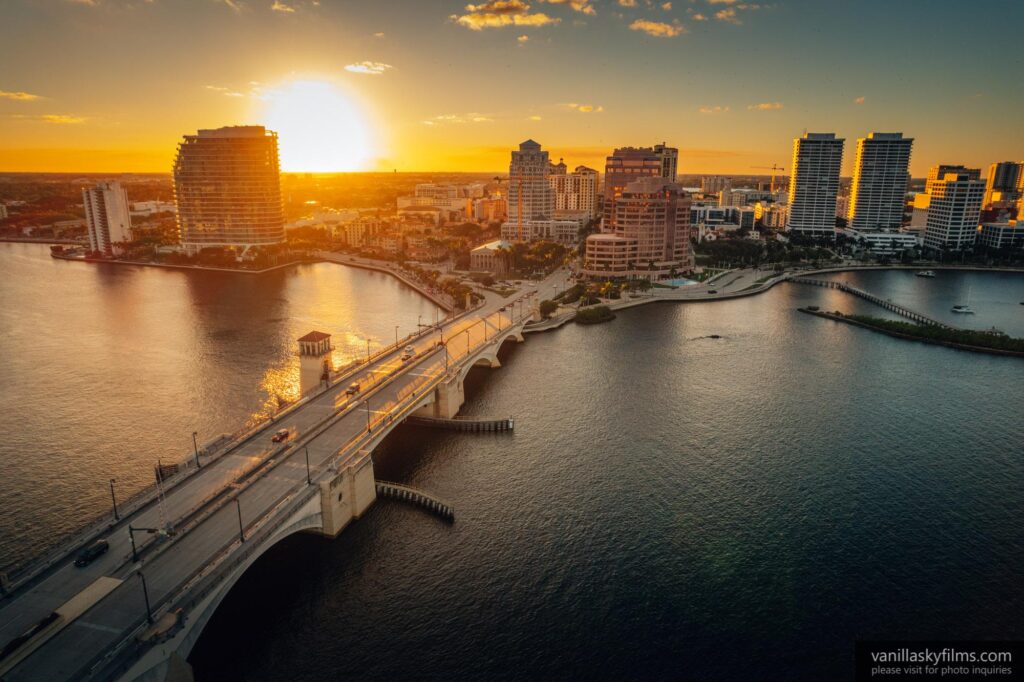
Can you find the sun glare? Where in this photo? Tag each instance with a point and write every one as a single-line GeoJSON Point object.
{"type": "Point", "coordinates": [320, 127]}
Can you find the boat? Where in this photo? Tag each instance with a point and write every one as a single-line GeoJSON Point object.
{"type": "Point", "coordinates": [925, 273]}
{"type": "Point", "coordinates": [962, 309]}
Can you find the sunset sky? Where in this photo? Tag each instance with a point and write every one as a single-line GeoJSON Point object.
{"type": "Point", "coordinates": [112, 85]}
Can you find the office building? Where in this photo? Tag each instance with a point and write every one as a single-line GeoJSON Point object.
{"type": "Point", "coordinates": [669, 161]}
{"type": "Point", "coordinates": [529, 193]}
{"type": "Point", "coordinates": [227, 185]}
{"type": "Point", "coordinates": [953, 212]}
{"type": "Point", "coordinates": [651, 237]}
{"type": "Point", "coordinates": [107, 216]}
{"type": "Point", "coordinates": [814, 183]}
{"type": "Point", "coordinates": [1004, 183]}
{"type": "Point", "coordinates": [1008, 235]}
{"type": "Point", "coordinates": [575, 192]}
{"type": "Point", "coordinates": [878, 192]}
{"type": "Point", "coordinates": [938, 172]}
{"type": "Point", "coordinates": [625, 165]}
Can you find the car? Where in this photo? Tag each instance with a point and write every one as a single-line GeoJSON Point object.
{"type": "Point", "coordinates": [280, 435]}
{"type": "Point", "coordinates": [712, 291]}
{"type": "Point", "coordinates": [408, 353]}
{"type": "Point", "coordinates": [92, 552]}
{"type": "Point", "coordinates": [352, 389]}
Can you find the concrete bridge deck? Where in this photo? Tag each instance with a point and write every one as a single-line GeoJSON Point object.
{"type": "Point", "coordinates": [224, 515]}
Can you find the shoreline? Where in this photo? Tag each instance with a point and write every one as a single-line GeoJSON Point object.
{"type": "Point", "coordinates": [911, 337]}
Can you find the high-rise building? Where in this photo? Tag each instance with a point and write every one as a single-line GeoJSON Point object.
{"type": "Point", "coordinates": [953, 212]}
{"type": "Point", "coordinates": [227, 184]}
{"type": "Point", "coordinates": [652, 233]}
{"type": "Point", "coordinates": [713, 184]}
{"type": "Point", "coordinates": [625, 165]}
{"type": "Point", "coordinates": [669, 161]}
{"type": "Point", "coordinates": [575, 192]}
{"type": "Point", "coordinates": [529, 193]}
{"type": "Point", "coordinates": [107, 216]}
{"type": "Point", "coordinates": [938, 172]}
{"type": "Point", "coordinates": [879, 189]}
{"type": "Point", "coordinates": [814, 183]}
{"type": "Point", "coordinates": [1005, 180]}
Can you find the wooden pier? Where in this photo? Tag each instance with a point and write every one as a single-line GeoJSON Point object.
{"type": "Point", "coordinates": [903, 311]}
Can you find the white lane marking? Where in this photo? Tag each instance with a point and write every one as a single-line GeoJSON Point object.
{"type": "Point", "coordinates": [96, 626]}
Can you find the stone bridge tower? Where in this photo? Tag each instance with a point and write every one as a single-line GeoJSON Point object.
{"type": "Point", "coordinates": [315, 365]}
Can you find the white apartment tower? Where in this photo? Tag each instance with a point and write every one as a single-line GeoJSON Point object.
{"type": "Point", "coordinates": [954, 211]}
{"type": "Point", "coordinates": [227, 184]}
{"type": "Point", "coordinates": [107, 216]}
{"type": "Point", "coordinates": [814, 183]}
{"type": "Point", "coordinates": [575, 192]}
{"type": "Point", "coordinates": [879, 189]}
{"type": "Point", "coordinates": [529, 192]}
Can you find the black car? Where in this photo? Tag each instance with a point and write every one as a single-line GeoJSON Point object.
{"type": "Point", "coordinates": [712, 291]}
{"type": "Point", "coordinates": [91, 553]}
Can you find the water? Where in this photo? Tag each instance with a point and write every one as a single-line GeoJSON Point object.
{"type": "Point", "coordinates": [669, 505]}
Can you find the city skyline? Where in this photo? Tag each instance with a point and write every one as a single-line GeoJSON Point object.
{"type": "Point", "coordinates": [437, 86]}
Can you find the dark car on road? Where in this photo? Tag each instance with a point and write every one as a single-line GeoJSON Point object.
{"type": "Point", "coordinates": [282, 434]}
{"type": "Point", "coordinates": [91, 553]}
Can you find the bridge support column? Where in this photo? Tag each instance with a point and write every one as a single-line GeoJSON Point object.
{"type": "Point", "coordinates": [448, 399]}
{"type": "Point", "coordinates": [348, 494]}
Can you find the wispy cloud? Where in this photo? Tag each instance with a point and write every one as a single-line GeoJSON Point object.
{"type": "Point", "coordinates": [860, 100]}
{"type": "Point", "coordinates": [667, 6]}
{"type": "Point", "coordinates": [472, 117]}
{"type": "Point", "coordinates": [658, 29]}
{"type": "Point", "coordinates": [627, 3]}
{"type": "Point", "coordinates": [581, 6]}
{"type": "Point", "coordinates": [234, 5]}
{"type": "Point", "coordinates": [378, 34]}
{"type": "Point", "coordinates": [533, 118]}
{"type": "Point", "coordinates": [699, 17]}
{"type": "Point", "coordinates": [731, 14]}
{"type": "Point", "coordinates": [279, 6]}
{"type": "Point", "coordinates": [717, 109]}
{"type": "Point", "coordinates": [523, 39]}
{"type": "Point", "coordinates": [584, 108]}
{"type": "Point", "coordinates": [728, 15]}
{"type": "Point", "coordinates": [765, 106]}
{"type": "Point", "coordinates": [498, 13]}
{"type": "Point", "coordinates": [62, 119]}
{"type": "Point", "coordinates": [19, 96]}
{"type": "Point", "coordinates": [369, 68]}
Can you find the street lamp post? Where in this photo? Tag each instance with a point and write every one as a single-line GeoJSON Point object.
{"type": "Point", "coordinates": [241, 531]}
{"type": "Point", "coordinates": [195, 448]}
{"type": "Point", "coordinates": [367, 350]}
{"type": "Point", "coordinates": [367, 404]}
{"type": "Point", "coordinates": [145, 595]}
{"type": "Point", "coordinates": [396, 336]}
{"type": "Point", "coordinates": [309, 480]}
{"type": "Point", "coordinates": [114, 500]}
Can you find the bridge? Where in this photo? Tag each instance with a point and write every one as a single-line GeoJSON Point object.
{"type": "Point", "coordinates": [900, 310]}
{"type": "Point", "coordinates": [176, 550]}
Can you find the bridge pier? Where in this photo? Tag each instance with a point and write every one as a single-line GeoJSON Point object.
{"type": "Point", "coordinates": [347, 494]}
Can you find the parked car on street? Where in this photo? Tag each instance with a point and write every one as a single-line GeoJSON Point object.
{"type": "Point", "coordinates": [352, 389]}
{"type": "Point", "coordinates": [282, 434]}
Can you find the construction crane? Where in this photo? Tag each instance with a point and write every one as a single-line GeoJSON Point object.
{"type": "Point", "coordinates": [774, 168]}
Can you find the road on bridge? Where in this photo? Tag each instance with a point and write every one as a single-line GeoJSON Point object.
{"type": "Point", "coordinates": [202, 511]}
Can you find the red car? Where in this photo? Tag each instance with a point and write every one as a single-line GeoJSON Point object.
{"type": "Point", "coordinates": [282, 434]}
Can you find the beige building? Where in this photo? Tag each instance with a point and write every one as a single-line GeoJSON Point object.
{"type": "Point", "coordinates": [490, 257]}
{"type": "Point", "coordinates": [879, 188]}
{"type": "Point", "coordinates": [953, 212]}
{"type": "Point", "coordinates": [651, 237]}
{"type": "Point", "coordinates": [575, 192]}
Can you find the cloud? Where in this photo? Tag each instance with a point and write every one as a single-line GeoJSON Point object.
{"type": "Point", "coordinates": [860, 100]}
{"type": "Point", "coordinates": [728, 15]}
{"type": "Point", "coordinates": [523, 39]}
{"type": "Point", "coordinates": [497, 13]}
{"type": "Point", "coordinates": [19, 96]}
{"type": "Point", "coordinates": [533, 118]}
{"type": "Point", "coordinates": [378, 34]}
{"type": "Point", "coordinates": [627, 3]}
{"type": "Point", "coordinates": [581, 6]}
{"type": "Point", "coordinates": [62, 119]}
{"type": "Point", "coordinates": [584, 108]}
{"type": "Point", "coordinates": [717, 109]}
{"type": "Point", "coordinates": [279, 6]}
{"type": "Point", "coordinates": [455, 119]}
{"type": "Point", "coordinates": [722, 2]}
{"type": "Point", "coordinates": [699, 17]}
{"type": "Point", "coordinates": [658, 29]}
{"type": "Point", "coordinates": [369, 68]}
{"type": "Point", "coordinates": [233, 5]}
{"type": "Point", "coordinates": [765, 106]}
{"type": "Point", "coordinates": [667, 6]}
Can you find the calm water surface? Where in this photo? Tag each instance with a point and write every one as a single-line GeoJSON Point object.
{"type": "Point", "coordinates": [669, 506]}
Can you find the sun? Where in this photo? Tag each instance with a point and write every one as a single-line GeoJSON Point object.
{"type": "Point", "coordinates": [320, 128]}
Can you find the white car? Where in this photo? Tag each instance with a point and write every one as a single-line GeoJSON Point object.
{"type": "Point", "coordinates": [408, 353]}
